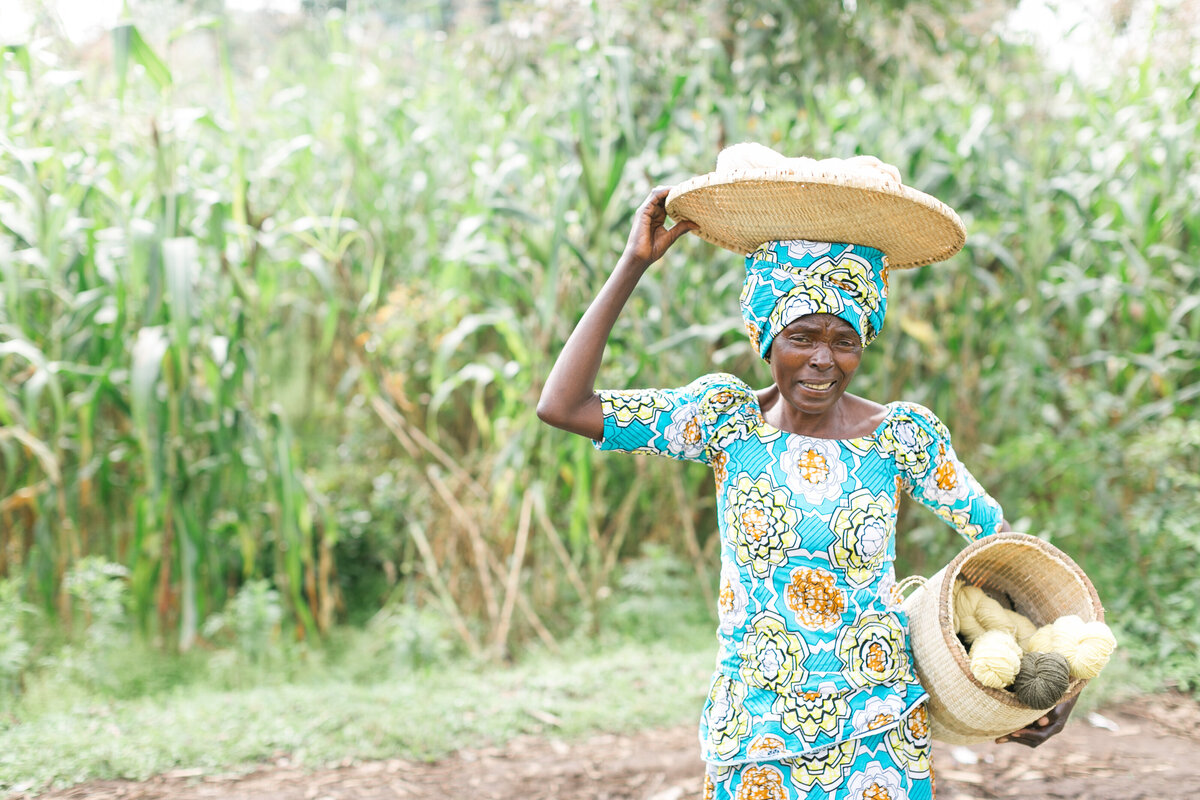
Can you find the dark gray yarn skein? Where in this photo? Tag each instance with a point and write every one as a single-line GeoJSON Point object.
{"type": "Point", "coordinates": [1042, 680]}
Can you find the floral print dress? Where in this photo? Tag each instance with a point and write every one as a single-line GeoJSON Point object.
{"type": "Point", "coordinates": [813, 692]}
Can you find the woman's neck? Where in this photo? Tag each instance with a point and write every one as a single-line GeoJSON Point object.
{"type": "Point", "coordinates": [851, 417]}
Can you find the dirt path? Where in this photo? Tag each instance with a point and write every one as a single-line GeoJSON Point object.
{"type": "Point", "coordinates": [1150, 749]}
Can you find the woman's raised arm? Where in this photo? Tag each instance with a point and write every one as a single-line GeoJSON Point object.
{"type": "Point", "coordinates": [569, 400]}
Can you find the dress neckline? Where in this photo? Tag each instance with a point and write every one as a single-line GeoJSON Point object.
{"type": "Point", "coordinates": [888, 409]}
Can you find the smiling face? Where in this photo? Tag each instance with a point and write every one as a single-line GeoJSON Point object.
{"type": "Point", "coordinates": [812, 362]}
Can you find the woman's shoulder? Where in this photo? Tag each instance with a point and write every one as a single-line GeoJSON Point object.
{"type": "Point", "coordinates": [720, 384]}
{"type": "Point", "coordinates": [901, 413]}
{"type": "Point", "coordinates": [720, 395]}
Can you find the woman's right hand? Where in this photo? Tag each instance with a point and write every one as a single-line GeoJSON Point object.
{"type": "Point", "coordinates": [649, 238]}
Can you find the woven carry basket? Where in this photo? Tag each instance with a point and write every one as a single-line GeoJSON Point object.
{"type": "Point", "coordinates": [1041, 581]}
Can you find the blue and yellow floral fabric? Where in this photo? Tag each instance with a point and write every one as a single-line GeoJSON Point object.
{"type": "Point", "coordinates": [813, 644]}
{"type": "Point", "coordinates": [790, 279]}
{"type": "Point", "coordinates": [894, 765]}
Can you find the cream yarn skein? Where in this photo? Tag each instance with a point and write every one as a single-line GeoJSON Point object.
{"type": "Point", "coordinates": [1086, 646]}
{"type": "Point", "coordinates": [995, 658]}
{"type": "Point", "coordinates": [1042, 640]}
{"type": "Point", "coordinates": [1096, 645]}
{"type": "Point", "coordinates": [992, 616]}
{"type": "Point", "coordinates": [966, 602]}
{"type": "Point", "coordinates": [1023, 627]}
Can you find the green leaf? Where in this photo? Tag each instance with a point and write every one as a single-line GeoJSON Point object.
{"type": "Point", "coordinates": [128, 43]}
{"type": "Point", "coordinates": [148, 351]}
{"type": "Point", "coordinates": [19, 54]}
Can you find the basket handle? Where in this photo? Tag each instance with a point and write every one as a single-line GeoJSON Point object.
{"type": "Point", "coordinates": [911, 582]}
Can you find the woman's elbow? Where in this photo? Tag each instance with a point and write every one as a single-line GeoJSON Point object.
{"type": "Point", "coordinates": [552, 411]}
{"type": "Point", "coordinates": [548, 412]}
{"type": "Point", "coordinates": [585, 419]}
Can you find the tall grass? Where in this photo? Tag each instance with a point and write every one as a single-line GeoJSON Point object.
{"type": "Point", "coordinates": [293, 329]}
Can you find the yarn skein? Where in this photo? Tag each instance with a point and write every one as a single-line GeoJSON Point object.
{"type": "Point", "coordinates": [994, 617]}
{"type": "Point", "coordinates": [1066, 632]}
{"type": "Point", "coordinates": [1025, 629]}
{"type": "Point", "coordinates": [1042, 640]}
{"type": "Point", "coordinates": [995, 658]}
{"type": "Point", "coordinates": [976, 612]}
{"type": "Point", "coordinates": [966, 601]}
{"type": "Point", "coordinates": [1092, 644]}
{"type": "Point", "coordinates": [1042, 680]}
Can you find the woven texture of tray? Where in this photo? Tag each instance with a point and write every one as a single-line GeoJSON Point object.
{"type": "Point", "coordinates": [741, 210]}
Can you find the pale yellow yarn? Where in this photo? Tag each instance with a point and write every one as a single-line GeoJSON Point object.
{"type": "Point", "coordinates": [1024, 628]}
{"type": "Point", "coordinates": [1086, 646]}
{"type": "Point", "coordinates": [966, 601]}
{"type": "Point", "coordinates": [995, 658]}
{"type": "Point", "coordinates": [1042, 640]}
{"type": "Point", "coordinates": [751, 156]}
{"type": "Point", "coordinates": [1094, 643]}
{"type": "Point", "coordinates": [992, 616]}
{"type": "Point", "coordinates": [975, 612]}
{"type": "Point", "coordinates": [1068, 631]}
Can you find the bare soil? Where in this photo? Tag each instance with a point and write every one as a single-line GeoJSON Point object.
{"type": "Point", "coordinates": [1149, 748]}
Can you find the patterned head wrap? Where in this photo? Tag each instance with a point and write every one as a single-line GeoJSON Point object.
{"type": "Point", "coordinates": [789, 280]}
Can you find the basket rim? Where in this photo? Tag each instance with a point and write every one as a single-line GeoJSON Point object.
{"type": "Point", "coordinates": [945, 601]}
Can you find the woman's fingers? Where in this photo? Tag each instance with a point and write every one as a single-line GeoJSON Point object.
{"type": "Point", "coordinates": [1044, 728]}
{"type": "Point", "coordinates": [680, 228]}
{"type": "Point", "coordinates": [650, 237]}
{"type": "Point", "coordinates": [653, 211]}
{"type": "Point", "coordinates": [656, 201]}
{"type": "Point", "coordinates": [665, 237]}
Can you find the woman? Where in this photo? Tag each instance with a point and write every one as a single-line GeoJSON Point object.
{"type": "Point", "coordinates": [813, 695]}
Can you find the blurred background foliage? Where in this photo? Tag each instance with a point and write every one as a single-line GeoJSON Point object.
{"type": "Point", "coordinates": [278, 293]}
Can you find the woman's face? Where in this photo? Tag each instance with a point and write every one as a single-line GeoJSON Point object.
{"type": "Point", "coordinates": [813, 360]}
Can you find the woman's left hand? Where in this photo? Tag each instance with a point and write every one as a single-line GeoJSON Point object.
{"type": "Point", "coordinates": [1044, 728]}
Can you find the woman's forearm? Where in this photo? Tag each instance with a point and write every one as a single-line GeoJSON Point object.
{"type": "Point", "coordinates": [569, 400]}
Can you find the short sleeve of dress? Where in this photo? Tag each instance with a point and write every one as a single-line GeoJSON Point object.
{"type": "Point", "coordinates": [931, 472]}
{"type": "Point", "coordinates": [676, 423]}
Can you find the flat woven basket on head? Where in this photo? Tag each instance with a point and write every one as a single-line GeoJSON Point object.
{"type": "Point", "coordinates": [742, 209]}
{"type": "Point", "coordinates": [1041, 581]}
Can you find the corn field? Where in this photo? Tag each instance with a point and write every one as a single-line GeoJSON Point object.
{"type": "Point", "coordinates": [282, 311]}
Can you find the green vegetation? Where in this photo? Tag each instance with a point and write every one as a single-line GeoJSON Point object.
{"type": "Point", "coordinates": [328, 715]}
{"type": "Point", "coordinates": [358, 700]}
{"type": "Point", "coordinates": [276, 303]}
{"type": "Point", "coordinates": [364, 704]}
